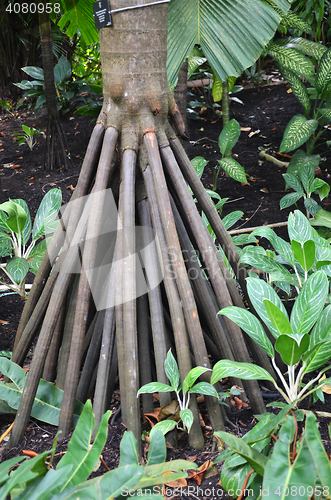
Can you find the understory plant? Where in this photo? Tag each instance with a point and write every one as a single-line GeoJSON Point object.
{"type": "Point", "coordinates": [29, 135]}
{"type": "Point", "coordinates": [270, 462]}
{"type": "Point", "coordinates": [68, 90]}
{"type": "Point", "coordinates": [303, 340]}
{"type": "Point", "coordinates": [20, 241]}
{"type": "Point", "coordinates": [308, 128]}
{"type": "Point", "coordinates": [48, 399]}
{"type": "Point", "coordinates": [36, 479]}
{"type": "Point", "coordinates": [291, 264]}
{"type": "Point", "coordinates": [188, 387]}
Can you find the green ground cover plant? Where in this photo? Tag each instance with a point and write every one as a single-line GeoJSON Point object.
{"type": "Point", "coordinates": [36, 479]}
{"type": "Point", "coordinates": [25, 244]}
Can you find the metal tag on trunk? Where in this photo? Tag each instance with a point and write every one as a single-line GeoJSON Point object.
{"type": "Point", "coordinates": [101, 13]}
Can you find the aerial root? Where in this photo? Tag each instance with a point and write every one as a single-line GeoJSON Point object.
{"type": "Point", "coordinates": [82, 345]}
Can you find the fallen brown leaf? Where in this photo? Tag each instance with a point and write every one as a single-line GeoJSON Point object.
{"type": "Point", "coordinates": [3, 322]}
{"type": "Point", "coordinates": [197, 474]}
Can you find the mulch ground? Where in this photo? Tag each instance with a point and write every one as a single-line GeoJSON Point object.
{"type": "Point", "coordinates": [266, 113]}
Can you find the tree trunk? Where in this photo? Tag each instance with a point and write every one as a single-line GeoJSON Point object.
{"type": "Point", "coordinates": [137, 102]}
{"type": "Point", "coordinates": [56, 149]}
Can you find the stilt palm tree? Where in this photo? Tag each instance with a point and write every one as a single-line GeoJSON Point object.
{"type": "Point", "coordinates": [80, 348]}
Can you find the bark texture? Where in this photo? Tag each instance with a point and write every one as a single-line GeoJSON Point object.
{"type": "Point", "coordinates": [137, 155]}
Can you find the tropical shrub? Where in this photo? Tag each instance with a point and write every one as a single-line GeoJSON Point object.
{"type": "Point", "coordinates": [68, 90]}
{"type": "Point", "coordinates": [270, 462]}
{"type": "Point", "coordinates": [36, 479]}
{"type": "Point", "coordinates": [15, 233]}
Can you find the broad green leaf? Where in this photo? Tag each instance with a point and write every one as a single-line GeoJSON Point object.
{"type": "Point", "coordinates": [214, 26]}
{"type": "Point", "coordinates": [187, 418]}
{"type": "Point", "coordinates": [233, 168]}
{"type": "Point", "coordinates": [299, 228]}
{"type": "Point", "coordinates": [46, 214]}
{"type": "Point", "coordinates": [62, 70]}
{"type": "Point", "coordinates": [154, 387]}
{"type": "Point", "coordinates": [304, 253]}
{"type": "Point", "coordinates": [289, 199]}
{"type": "Point", "coordinates": [297, 132]}
{"type": "Point", "coordinates": [300, 159]}
{"type": "Point", "coordinates": [281, 476]}
{"type": "Point", "coordinates": [81, 453]}
{"type": "Point", "coordinates": [264, 263]}
{"type": "Point", "coordinates": [217, 89]}
{"type": "Point", "coordinates": [292, 181]}
{"type": "Point", "coordinates": [291, 59]}
{"type": "Point", "coordinates": [171, 369]}
{"type": "Point", "coordinates": [317, 452]}
{"type": "Point", "coordinates": [321, 337]}
{"type": "Point", "coordinates": [307, 177]}
{"type": "Point", "coordinates": [6, 247]}
{"type": "Point", "coordinates": [230, 219]}
{"type": "Point", "coordinates": [199, 164]}
{"type": "Point", "coordinates": [128, 450]}
{"type": "Point", "coordinates": [308, 47]}
{"type": "Point", "coordinates": [37, 254]}
{"type": "Point", "coordinates": [28, 471]}
{"type": "Point", "coordinates": [280, 245]}
{"type": "Point", "coordinates": [293, 20]}
{"type": "Point", "coordinates": [46, 487]}
{"type": "Point", "coordinates": [26, 233]}
{"type": "Point", "coordinates": [78, 16]}
{"type": "Point", "coordinates": [233, 478]}
{"type": "Point", "coordinates": [251, 325]}
{"type": "Point", "coordinates": [18, 268]}
{"type": "Point", "coordinates": [257, 460]}
{"type": "Point", "coordinates": [35, 72]}
{"type": "Point", "coordinates": [47, 403]}
{"type": "Point", "coordinates": [13, 371]}
{"type": "Point", "coordinates": [277, 317]}
{"type": "Point", "coordinates": [164, 427]}
{"type": "Point", "coordinates": [309, 303]}
{"type": "Point", "coordinates": [195, 59]}
{"type": "Point", "coordinates": [6, 466]}
{"type": "Point", "coordinates": [243, 239]}
{"type": "Point", "coordinates": [110, 485]}
{"type": "Point", "coordinates": [322, 218]}
{"type": "Point", "coordinates": [229, 136]}
{"type": "Point", "coordinates": [258, 290]}
{"type": "Point", "coordinates": [323, 74]}
{"type": "Point", "coordinates": [321, 187]}
{"type": "Point", "coordinates": [157, 449]}
{"type": "Point", "coordinates": [244, 371]}
{"type": "Point", "coordinates": [297, 87]}
{"type": "Point", "coordinates": [16, 219]}
{"type": "Point", "coordinates": [204, 388]}
{"type": "Point", "coordinates": [192, 376]}
{"type": "Point", "coordinates": [289, 349]}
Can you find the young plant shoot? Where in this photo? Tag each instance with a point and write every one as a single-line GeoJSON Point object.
{"type": "Point", "coordinates": [189, 387]}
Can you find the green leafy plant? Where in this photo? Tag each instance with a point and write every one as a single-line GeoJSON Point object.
{"type": "Point", "coordinates": [48, 400]}
{"type": "Point", "coordinates": [15, 233]}
{"type": "Point", "coordinates": [282, 466]}
{"type": "Point", "coordinates": [223, 396]}
{"type": "Point", "coordinates": [307, 128]}
{"type": "Point", "coordinates": [306, 253]}
{"type": "Point", "coordinates": [68, 90]}
{"type": "Point", "coordinates": [29, 136]}
{"type": "Point", "coordinates": [188, 387]}
{"type": "Point", "coordinates": [35, 479]}
{"type": "Point", "coordinates": [302, 340]}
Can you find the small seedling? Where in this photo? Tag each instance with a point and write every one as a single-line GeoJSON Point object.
{"type": "Point", "coordinates": [29, 136]}
{"type": "Point", "coordinates": [189, 387]}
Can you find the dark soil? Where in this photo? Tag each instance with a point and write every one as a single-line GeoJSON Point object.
{"type": "Point", "coordinates": [267, 113]}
